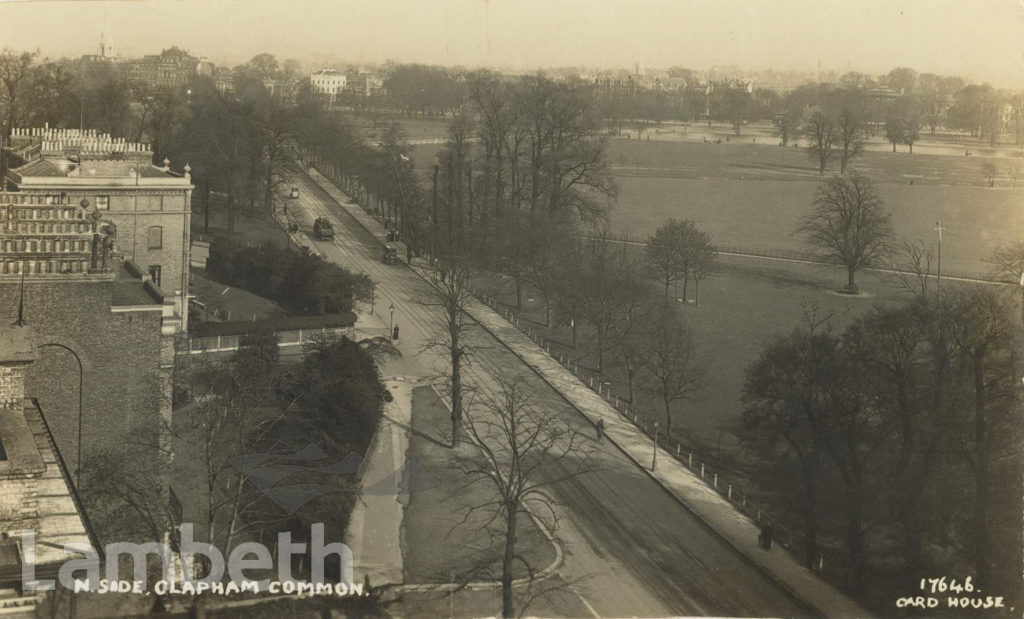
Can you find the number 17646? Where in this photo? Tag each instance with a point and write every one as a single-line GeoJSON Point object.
{"type": "Point", "coordinates": [942, 585]}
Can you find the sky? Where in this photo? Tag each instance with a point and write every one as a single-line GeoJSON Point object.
{"type": "Point", "coordinates": [982, 40]}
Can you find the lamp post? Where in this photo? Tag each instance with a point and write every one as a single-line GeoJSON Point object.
{"type": "Point", "coordinates": [938, 277]}
{"type": "Point", "coordinates": [391, 326]}
{"type": "Point", "coordinates": [78, 458]}
{"type": "Point", "coordinates": [654, 460]}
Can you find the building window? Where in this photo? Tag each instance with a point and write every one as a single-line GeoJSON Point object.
{"type": "Point", "coordinates": [103, 203]}
{"type": "Point", "coordinates": [154, 274]}
{"type": "Point", "coordinates": [155, 237]}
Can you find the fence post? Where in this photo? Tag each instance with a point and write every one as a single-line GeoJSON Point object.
{"type": "Point", "coordinates": [634, 418]}
{"type": "Point", "coordinates": [730, 492]}
{"type": "Point", "coordinates": [715, 483]}
{"type": "Point", "coordinates": [689, 460]}
{"type": "Point", "coordinates": [218, 342]}
{"type": "Point", "coordinates": [677, 450]}
{"type": "Point", "coordinates": [702, 470]}
{"type": "Point", "coordinates": [759, 515]}
{"type": "Point", "coordinates": [300, 336]}
{"type": "Point", "coordinates": [591, 382]}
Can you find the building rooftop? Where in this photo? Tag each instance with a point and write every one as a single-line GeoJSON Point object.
{"type": "Point", "coordinates": [133, 288]}
{"type": "Point", "coordinates": [48, 153]}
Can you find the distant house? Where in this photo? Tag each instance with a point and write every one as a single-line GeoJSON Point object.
{"type": "Point", "coordinates": [172, 67]}
{"type": "Point", "coordinates": [328, 82]}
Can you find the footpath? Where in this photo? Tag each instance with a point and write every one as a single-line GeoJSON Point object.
{"type": "Point", "coordinates": [375, 526]}
{"type": "Point", "coordinates": [693, 492]}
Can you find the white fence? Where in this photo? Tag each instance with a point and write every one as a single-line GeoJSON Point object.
{"type": "Point", "coordinates": [226, 343]}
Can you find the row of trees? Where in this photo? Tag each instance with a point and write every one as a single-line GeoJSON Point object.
{"type": "Point", "coordinates": [896, 442]}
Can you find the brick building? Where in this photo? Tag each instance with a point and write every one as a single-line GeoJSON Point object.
{"type": "Point", "coordinates": [149, 205]}
{"type": "Point", "coordinates": [172, 67]}
{"type": "Point", "coordinates": [104, 332]}
{"type": "Point", "coordinates": [36, 489]}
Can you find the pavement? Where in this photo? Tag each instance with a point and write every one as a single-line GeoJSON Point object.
{"type": "Point", "coordinates": [375, 526]}
{"type": "Point", "coordinates": [711, 511]}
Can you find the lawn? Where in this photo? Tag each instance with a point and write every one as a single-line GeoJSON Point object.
{"type": "Point", "coordinates": [765, 214]}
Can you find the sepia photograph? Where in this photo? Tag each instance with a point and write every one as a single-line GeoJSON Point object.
{"type": "Point", "coordinates": [511, 308]}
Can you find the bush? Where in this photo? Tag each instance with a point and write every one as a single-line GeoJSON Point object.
{"type": "Point", "coordinates": [299, 281]}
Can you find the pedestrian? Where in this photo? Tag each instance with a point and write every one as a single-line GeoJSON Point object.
{"type": "Point", "coordinates": [765, 538]}
{"type": "Point", "coordinates": [600, 428]}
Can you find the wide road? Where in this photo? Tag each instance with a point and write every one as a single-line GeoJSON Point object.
{"type": "Point", "coordinates": [630, 548]}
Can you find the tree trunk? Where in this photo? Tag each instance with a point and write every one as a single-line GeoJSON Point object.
{"type": "Point", "coordinates": [456, 391]}
{"type": "Point", "coordinates": [982, 530]}
{"type": "Point", "coordinates": [506, 563]}
{"type": "Point", "coordinates": [206, 206]}
{"type": "Point", "coordinates": [810, 509]}
{"type": "Point", "coordinates": [855, 541]}
{"type": "Point", "coordinates": [851, 285]}
{"type": "Point", "coordinates": [686, 282]}
{"type": "Point", "coordinates": [668, 414]}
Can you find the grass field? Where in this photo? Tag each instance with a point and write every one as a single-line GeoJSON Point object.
{"type": "Point", "coordinates": [765, 214]}
{"type": "Point", "coordinates": [753, 195]}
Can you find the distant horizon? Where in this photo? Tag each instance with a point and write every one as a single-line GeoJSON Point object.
{"type": "Point", "coordinates": [981, 41]}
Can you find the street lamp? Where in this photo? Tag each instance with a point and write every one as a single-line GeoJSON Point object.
{"type": "Point", "coordinates": [654, 460]}
{"type": "Point", "coordinates": [78, 458]}
{"type": "Point", "coordinates": [391, 327]}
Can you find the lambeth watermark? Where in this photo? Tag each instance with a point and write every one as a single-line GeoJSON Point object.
{"type": "Point", "coordinates": [178, 569]}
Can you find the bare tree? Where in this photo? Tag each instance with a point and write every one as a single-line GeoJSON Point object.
{"type": "Point", "coordinates": [821, 131]}
{"type": "Point", "coordinates": [989, 170]}
{"type": "Point", "coordinates": [916, 266]}
{"type": "Point", "coordinates": [1008, 264]}
{"type": "Point", "coordinates": [451, 294]}
{"type": "Point", "coordinates": [663, 253]}
{"type": "Point", "coordinates": [610, 283]}
{"type": "Point", "coordinates": [519, 450]}
{"type": "Point", "coordinates": [849, 225]}
{"type": "Point", "coordinates": [16, 69]}
{"type": "Point", "coordinates": [675, 368]}
{"type": "Point", "coordinates": [850, 129]}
